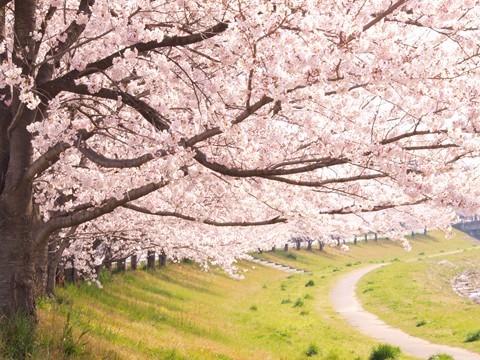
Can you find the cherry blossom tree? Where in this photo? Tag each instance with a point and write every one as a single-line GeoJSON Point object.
{"type": "Point", "coordinates": [215, 115]}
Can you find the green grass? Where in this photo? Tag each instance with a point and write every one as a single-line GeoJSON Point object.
{"type": "Point", "coordinates": [417, 297]}
{"type": "Point", "coordinates": [182, 312]}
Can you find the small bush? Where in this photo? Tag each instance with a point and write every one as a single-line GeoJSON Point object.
{"type": "Point", "coordinates": [336, 269]}
{"type": "Point", "coordinates": [421, 253]}
{"type": "Point", "coordinates": [310, 283]}
{"type": "Point", "coordinates": [253, 308]}
{"type": "Point", "coordinates": [17, 336]}
{"type": "Point", "coordinates": [312, 350]}
{"type": "Point", "coordinates": [304, 313]}
{"type": "Point", "coordinates": [264, 286]}
{"type": "Point", "coordinates": [441, 357]}
{"type": "Point", "coordinates": [473, 336]}
{"type": "Point", "coordinates": [283, 287]}
{"type": "Point", "coordinates": [292, 256]}
{"type": "Point", "coordinates": [421, 323]}
{"type": "Point", "coordinates": [298, 303]}
{"type": "Point", "coordinates": [348, 264]}
{"type": "Point", "coordinates": [384, 352]}
{"type": "Point", "coordinates": [308, 297]}
{"type": "Point", "coordinates": [286, 301]}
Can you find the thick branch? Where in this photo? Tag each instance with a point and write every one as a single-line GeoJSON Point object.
{"type": "Point", "coordinates": [224, 170]}
{"type": "Point", "coordinates": [241, 117]}
{"type": "Point", "coordinates": [53, 87]}
{"type": "Point", "coordinates": [352, 210]}
{"type": "Point", "coordinates": [83, 216]}
{"type": "Point", "coordinates": [326, 182]}
{"type": "Point", "coordinates": [105, 162]}
{"type": "Point", "coordinates": [148, 112]}
{"type": "Point", "coordinates": [52, 155]}
{"type": "Point", "coordinates": [271, 221]}
{"type": "Point", "coordinates": [73, 33]}
{"type": "Point", "coordinates": [384, 14]}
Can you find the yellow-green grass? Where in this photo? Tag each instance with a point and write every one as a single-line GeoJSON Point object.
{"type": "Point", "coordinates": [182, 312]}
{"type": "Point", "coordinates": [418, 298]}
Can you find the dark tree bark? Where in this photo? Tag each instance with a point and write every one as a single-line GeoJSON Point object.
{"type": "Point", "coordinates": [321, 245]}
{"type": "Point", "coordinates": [121, 265]}
{"type": "Point", "coordinates": [133, 262]}
{"type": "Point", "coordinates": [151, 260]}
{"type": "Point", "coordinates": [285, 247]}
{"type": "Point", "coordinates": [162, 259]}
{"type": "Point", "coordinates": [309, 245]}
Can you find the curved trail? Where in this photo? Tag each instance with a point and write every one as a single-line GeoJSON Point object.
{"type": "Point", "coordinates": [346, 303]}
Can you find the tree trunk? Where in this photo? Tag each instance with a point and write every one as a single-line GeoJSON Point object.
{"type": "Point", "coordinates": [151, 260]}
{"type": "Point", "coordinates": [285, 248]}
{"type": "Point", "coordinates": [121, 265]}
{"type": "Point", "coordinates": [309, 245]}
{"type": "Point", "coordinates": [162, 259]}
{"type": "Point", "coordinates": [321, 245]}
{"type": "Point", "coordinates": [133, 262]}
{"type": "Point", "coordinates": [297, 245]}
{"type": "Point", "coordinates": [17, 271]}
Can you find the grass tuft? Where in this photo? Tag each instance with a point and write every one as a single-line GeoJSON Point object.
{"type": "Point", "coordinates": [421, 323]}
{"type": "Point", "coordinates": [17, 336]}
{"type": "Point", "coordinates": [298, 303]}
{"type": "Point", "coordinates": [384, 352]}
{"type": "Point", "coordinates": [441, 357]}
{"type": "Point", "coordinates": [312, 350]}
{"type": "Point", "coordinates": [310, 283]}
{"type": "Point", "coordinates": [473, 336]}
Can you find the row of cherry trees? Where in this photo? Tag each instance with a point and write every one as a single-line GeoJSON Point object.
{"type": "Point", "coordinates": [209, 128]}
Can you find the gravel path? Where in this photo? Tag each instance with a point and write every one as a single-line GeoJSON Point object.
{"type": "Point", "coordinates": [346, 303]}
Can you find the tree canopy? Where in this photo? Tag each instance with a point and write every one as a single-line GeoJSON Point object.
{"type": "Point", "coordinates": [193, 124]}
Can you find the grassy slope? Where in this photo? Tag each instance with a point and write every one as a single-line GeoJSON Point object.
{"type": "Point", "coordinates": [185, 313]}
{"type": "Point", "coordinates": [417, 297]}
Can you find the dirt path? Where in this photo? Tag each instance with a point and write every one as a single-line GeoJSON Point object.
{"type": "Point", "coordinates": [346, 303]}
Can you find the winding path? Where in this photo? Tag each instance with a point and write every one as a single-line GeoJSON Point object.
{"type": "Point", "coordinates": [346, 303]}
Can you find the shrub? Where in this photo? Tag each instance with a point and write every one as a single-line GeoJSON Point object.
{"type": "Point", "coordinates": [308, 297]}
{"type": "Point", "coordinates": [310, 283]}
{"type": "Point", "coordinates": [473, 336]}
{"type": "Point", "coordinates": [292, 256]}
{"type": "Point", "coordinates": [441, 357]}
{"type": "Point", "coordinates": [384, 352]}
{"type": "Point", "coordinates": [298, 303]}
{"type": "Point", "coordinates": [312, 350]}
{"type": "Point", "coordinates": [286, 301]}
{"type": "Point", "coordinates": [253, 308]}
{"type": "Point", "coordinates": [303, 312]}
{"type": "Point", "coordinates": [348, 264]}
{"type": "Point", "coordinates": [17, 336]}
